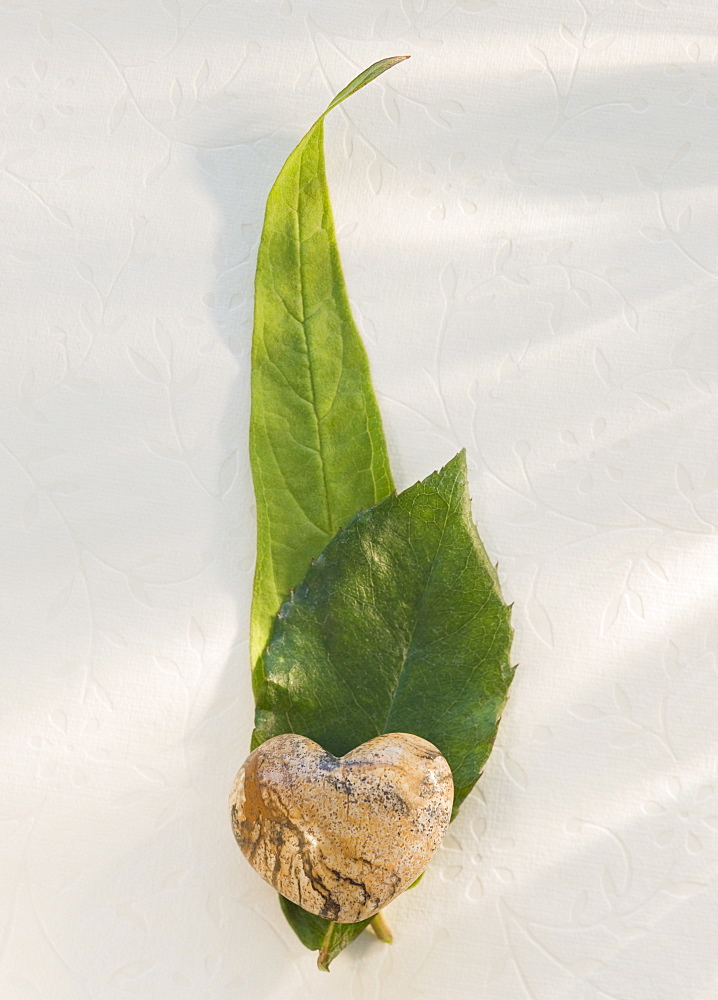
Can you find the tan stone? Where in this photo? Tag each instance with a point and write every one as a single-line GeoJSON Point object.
{"type": "Point", "coordinates": [341, 836]}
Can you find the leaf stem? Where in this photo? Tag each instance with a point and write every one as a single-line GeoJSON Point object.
{"type": "Point", "coordinates": [381, 929]}
{"type": "Point", "coordinates": [323, 956]}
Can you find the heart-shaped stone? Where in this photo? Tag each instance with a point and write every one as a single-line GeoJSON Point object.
{"type": "Point", "coordinates": [341, 836]}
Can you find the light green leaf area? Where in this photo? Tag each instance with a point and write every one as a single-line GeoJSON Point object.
{"type": "Point", "coordinates": [317, 446]}
{"type": "Point", "coordinates": [398, 626]}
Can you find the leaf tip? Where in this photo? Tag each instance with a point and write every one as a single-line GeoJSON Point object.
{"type": "Point", "coordinates": [458, 461]}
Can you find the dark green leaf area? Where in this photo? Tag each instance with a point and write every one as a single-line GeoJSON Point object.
{"type": "Point", "coordinates": [399, 626]}
{"type": "Point", "coordinates": [309, 928]}
{"type": "Point", "coordinates": [318, 934]}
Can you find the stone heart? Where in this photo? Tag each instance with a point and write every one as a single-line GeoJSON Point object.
{"type": "Point", "coordinates": [341, 836]}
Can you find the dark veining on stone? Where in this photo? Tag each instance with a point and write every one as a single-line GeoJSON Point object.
{"type": "Point", "coordinates": [341, 836]}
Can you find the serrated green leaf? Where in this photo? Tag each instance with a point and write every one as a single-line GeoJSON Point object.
{"type": "Point", "coordinates": [316, 441]}
{"type": "Point", "coordinates": [398, 626]}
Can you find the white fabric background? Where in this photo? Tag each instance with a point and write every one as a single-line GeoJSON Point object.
{"type": "Point", "coordinates": [527, 212]}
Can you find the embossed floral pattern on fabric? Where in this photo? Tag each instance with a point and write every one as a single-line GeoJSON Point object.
{"type": "Point", "coordinates": [564, 331]}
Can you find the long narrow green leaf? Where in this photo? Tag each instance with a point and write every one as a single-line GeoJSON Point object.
{"type": "Point", "coordinates": [317, 445]}
{"type": "Point", "coordinates": [316, 441]}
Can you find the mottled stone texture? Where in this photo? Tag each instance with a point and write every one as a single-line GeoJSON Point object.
{"type": "Point", "coordinates": [341, 836]}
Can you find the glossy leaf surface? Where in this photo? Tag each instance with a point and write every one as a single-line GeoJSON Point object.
{"type": "Point", "coordinates": [399, 626]}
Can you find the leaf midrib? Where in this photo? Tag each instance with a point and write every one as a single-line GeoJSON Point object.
{"type": "Point", "coordinates": [419, 609]}
{"type": "Point", "coordinates": [319, 130]}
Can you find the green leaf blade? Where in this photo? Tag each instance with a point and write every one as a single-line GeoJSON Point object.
{"type": "Point", "coordinates": [399, 626]}
{"type": "Point", "coordinates": [317, 446]}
